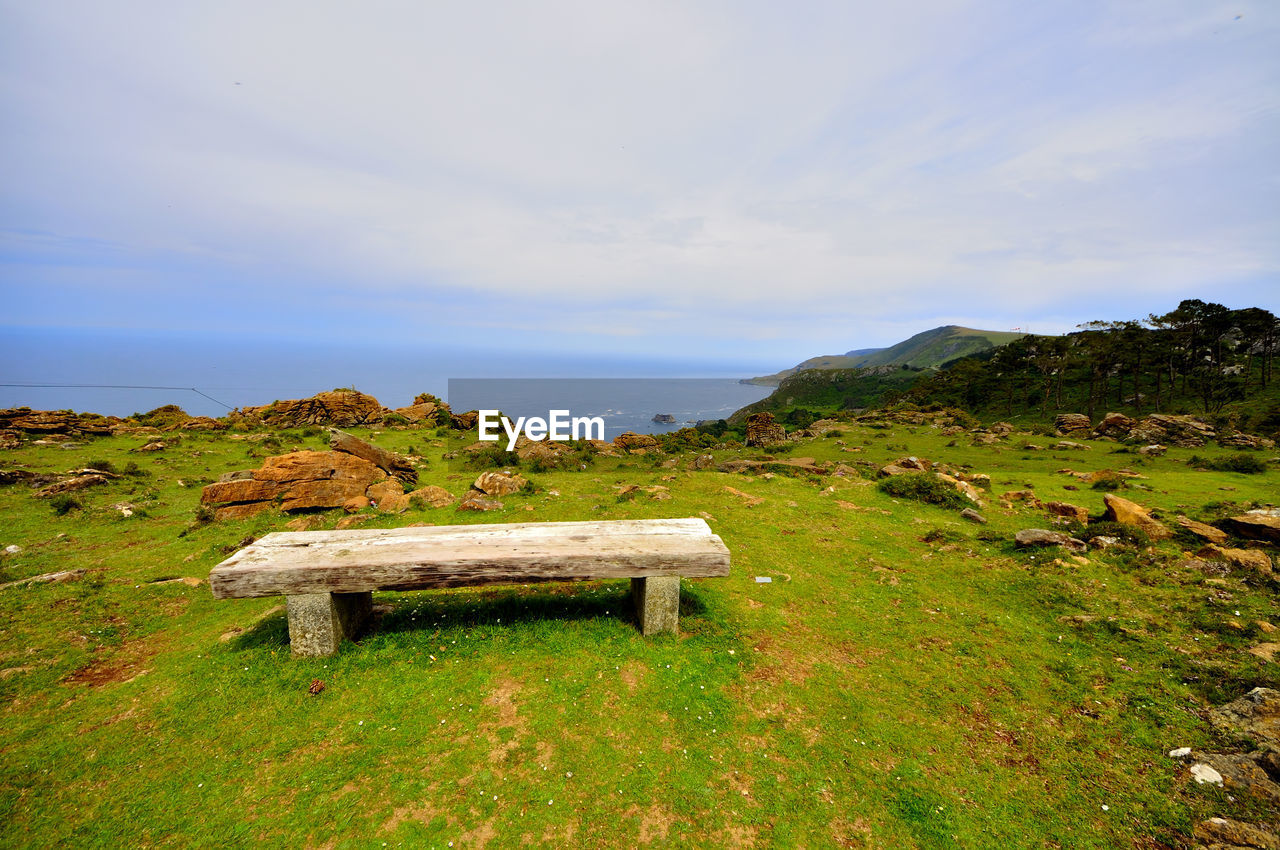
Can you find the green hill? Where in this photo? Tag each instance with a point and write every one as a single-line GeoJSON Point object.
{"type": "Point", "coordinates": [924, 350]}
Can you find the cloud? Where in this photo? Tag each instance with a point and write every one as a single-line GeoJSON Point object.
{"type": "Point", "coordinates": [638, 173]}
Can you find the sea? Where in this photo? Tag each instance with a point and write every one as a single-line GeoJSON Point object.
{"type": "Point", "coordinates": [121, 372]}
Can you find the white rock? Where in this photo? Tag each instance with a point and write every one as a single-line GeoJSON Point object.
{"type": "Point", "coordinates": [1205, 774]}
{"type": "Point", "coordinates": [12, 550]}
{"type": "Point", "coordinates": [1180, 752]}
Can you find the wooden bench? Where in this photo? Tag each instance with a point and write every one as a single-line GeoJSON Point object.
{"type": "Point", "coordinates": [327, 577]}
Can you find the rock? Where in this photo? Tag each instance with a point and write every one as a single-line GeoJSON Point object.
{"type": "Point", "coordinates": [889, 471]}
{"type": "Point", "coordinates": [1255, 715]}
{"type": "Point", "coordinates": [1153, 451]}
{"type": "Point", "coordinates": [69, 485]}
{"type": "Point", "coordinates": [986, 439]}
{"type": "Point", "coordinates": [1126, 512]}
{"type": "Point", "coordinates": [1249, 559]}
{"type": "Point", "coordinates": [352, 521]}
{"type": "Point", "coordinates": [477, 501]}
{"type": "Point", "coordinates": [1255, 526]}
{"type": "Point", "coordinates": [1067, 445]}
{"type": "Point", "coordinates": [389, 462]}
{"type": "Point", "coordinates": [1034, 537]}
{"type": "Point", "coordinates": [199, 423]}
{"type": "Point", "coordinates": [1233, 771]}
{"type": "Point", "coordinates": [298, 480]}
{"type": "Point", "coordinates": [1000, 429]}
{"type": "Point", "coordinates": [1240, 440]}
{"type": "Point", "coordinates": [663, 419]}
{"type": "Point", "coordinates": [238, 475]}
{"type": "Point", "coordinates": [1205, 775]}
{"type": "Point", "coordinates": [388, 496]}
{"type": "Point", "coordinates": [1184, 431]}
{"type": "Point", "coordinates": [341, 408]}
{"type": "Point", "coordinates": [302, 523]}
{"type": "Point", "coordinates": [637, 444]}
{"type": "Point", "coordinates": [499, 483]}
{"type": "Point", "coordinates": [1102, 541]}
{"type": "Point", "coordinates": [1234, 833]}
{"type": "Point", "coordinates": [764, 430]}
{"type": "Point", "coordinates": [55, 422]}
{"type": "Point", "coordinates": [12, 549]}
{"type": "Point", "coordinates": [10, 440]}
{"type": "Point", "coordinates": [424, 413]}
{"type": "Point", "coordinates": [46, 578]}
{"type": "Point", "coordinates": [973, 516]}
{"type": "Point", "coordinates": [433, 496]}
{"type": "Point", "coordinates": [1068, 423]}
{"type": "Point", "coordinates": [464, 421]}
{"type": "Point", "coordinates": [1115, 425]}
{"type": "Point", "coordinates": [1068, 510]}
{"type": "Point", "coordinates": [703, 462]}
{"type": "Point", "coordinates": [751, 501]}
{"type": "Point", "coordinates": [981, 480]}
{"type": "Point", "coordinates": [914, 464]}
{"type": "Point", "coordinates": [156, 446]}
{"type": "Point", "coordinates": [356, 504]}
{"type": "Point", "coordinates": [1028, 496]}
{"type": "Point", "coordinates": [1201, 530]}
{"type": "Point", "coordinates": [963, 486]}
{"type": "Point", "coordinates": [1265, 651]}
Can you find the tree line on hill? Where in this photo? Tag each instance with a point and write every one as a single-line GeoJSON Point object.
{"type": "Point", "coordinates": [1200, 357]}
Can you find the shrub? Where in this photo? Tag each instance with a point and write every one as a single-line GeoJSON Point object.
{"type": "Point", "coordinates": [101, 465]}
{"type": "Point", "coordinates": [133, 470]}
{"type": "Point", "coordinates": [64, 504]}
{"type": "Point", "coordinates": [492, 457]}
{"type": "Point", "coordinates": [394, 419]}
{"type": "Point", "coordinates": [1130, 534]}
{"type": "Point", "coordinates": [1243, 463]}
{"type": "Point", "coordinates": [1109, 483]}
{"type": "Point", "coordinates": [924, 487]}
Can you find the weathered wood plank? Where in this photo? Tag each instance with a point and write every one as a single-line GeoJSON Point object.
{"type": "Point", "coordinates": [361, 560]}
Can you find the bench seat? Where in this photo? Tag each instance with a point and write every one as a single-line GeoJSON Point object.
{"type": "Point", "coordinates": [327, 576]}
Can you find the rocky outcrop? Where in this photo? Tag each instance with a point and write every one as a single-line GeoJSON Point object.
{"type": "Point", "coordinates": [391, 463]}
{"type": "Point", "coordinates": [499, 483]}
{"type": "Point", "coordinates": [1185, 431]}
{"type": "Point", "coordinates": [1114, 425]}
{"type": "Point", "coordinates": [636, 444]}
{"type": "Point", "coordinates": [1129, 513]}
{"type": "Point", "coordinates": [1261, 525]}
{"type": "Point", "coordinates": [425, 412]}
{"type": "Point", "coordinates": [1039, 537]}
{"type": "Point", "coordinates": [1069, 423]}
{"type": "Point", "coordinates": [46, 422]}
{"type": "Point", "coordinates": [198, 423]}
{"type": "Point", "coordinates": [464, 421]}
{"type": "Point", "coordinates": [341, 408]}
{"type": "Point", "coordinates": [1254, 560]}
{"type": "Point", "coordinates": [353, 476]}
{"type": "Point", "coordinates": [663, 419]}
{"type": "Point", "coordinates": [764, 430]}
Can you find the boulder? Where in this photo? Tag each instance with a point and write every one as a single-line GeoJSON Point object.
{"type": "Point", "coordinates": [914, 463]}
{"type": "Point", "coordinates": [1068, 445]}
{"type": "Point", "coordinates": [389, 462]}
{"type": "Point", "coordinates": [764, 430]}
{"type": "Point", "coordinates": [1256, 715]}
{"type": "Point", "coordinates": [703, 462]}
{"type": "Point", "coordinates": [298, 480]}
{"type": "Point", "coordinates": [1201, 530]}
{"type": "Point", "coordinates": [1155, 450]}
{"type": "Point", "coordinates": [499, 483]}
{"type": "Point", "coordinates": [1000, 429]}
{"type": "Point", "coordinates": [424, 413]}
{"type": "Point", "coordinates": [78, 482]}
{"type": "Point", "coordinates": [663, 419]}
{"type": "Point", "coordinates": [1115, 425]}
{"type": "Point", "coordinates": [1240, 440]}
{"type": "Point", "coordinates": [1184, 431]}
{"type": "Point", "coordinates": [888, 470]}
{"type": "Point", "coordinates": [973, 516]}
{"type": "Point", "coordinates": [1068, 510]}
{"type": "Point", "coordinates": [433, 496]}
{"type": "Point", "coordinates": [1126, 512]}
{"type": "Point", "coordinates": [464, 421]}
{"type": "Point", "coordinates": [1069, 423]}
{"type": "Point", "coordinates": [1028, 496]}
{"type": "Point", "coordinates": [1239, 772]}
{"type": "Point", "coordinates": [1227, 833]}
{"type": "Point", "coordinates": [963, 486]}
{"type": "Point", "coordinates": [47, 422]}
{"type": "Point", "coordinates": [388, 496]}
{"type": "Point", "coordinates": [633, 443]}
{"type": "Point", "coordinates": [1037, 537]}
{"type": "Point", "coordinates": [1255, 526]}
{"type": "Point", "coordinates": [198, 423]}
{"type": "Point", "coordinates": [477, 501]}
{"type": "Point", "coordinates": [9, 439]}
{"type": "Point", "coordinates": [1249, 559]}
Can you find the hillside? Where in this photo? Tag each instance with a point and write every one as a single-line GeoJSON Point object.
{"type": "Point", "coordinates": [832, 389]}
{"type": "Point", "coordinates": [924, 350]}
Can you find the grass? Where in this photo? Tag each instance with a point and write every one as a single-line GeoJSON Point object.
{"type": "Point", "coordinates": [906, 679]}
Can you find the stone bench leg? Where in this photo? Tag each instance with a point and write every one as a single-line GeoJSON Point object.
{"type": "Point", "coordinates": [657, 603]}
{"type": "Point", "coordinates": [319, 621]}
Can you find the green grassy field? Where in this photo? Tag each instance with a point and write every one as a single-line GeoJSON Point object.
{"type": "Point", "coordinates": [907, 679]}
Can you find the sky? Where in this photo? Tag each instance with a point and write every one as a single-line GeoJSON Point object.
{"type": "Point", "coordinates": [721, 183]}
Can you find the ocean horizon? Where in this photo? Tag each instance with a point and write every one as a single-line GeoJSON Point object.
{"type": "Point", "coordinates": [118, 373]}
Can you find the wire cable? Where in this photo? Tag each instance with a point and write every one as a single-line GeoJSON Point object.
{"type": "Point", "coordinates": [118, 387]}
